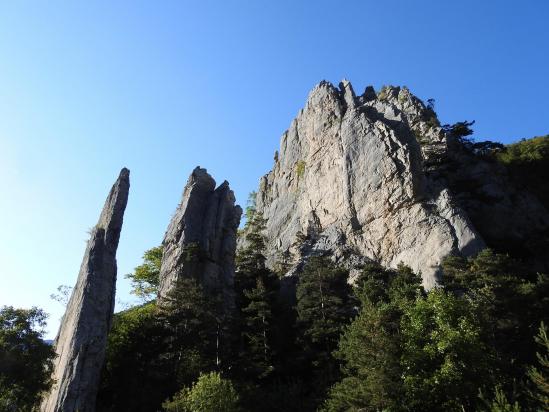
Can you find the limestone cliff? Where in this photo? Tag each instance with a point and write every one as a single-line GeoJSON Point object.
{"type": "Point", "coordinates": [204, 225]}
{"type": "Point", "coordinates": [82, 338]}
{"type": "Point", "coordinates": [351, 178]}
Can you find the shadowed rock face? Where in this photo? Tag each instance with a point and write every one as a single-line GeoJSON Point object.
{"type": "Point", "coordinates": [200, 241]}
{"type": "Point", "coordinates": [82, 338]}
{"type": "Point", "coordinates": [351, 179]}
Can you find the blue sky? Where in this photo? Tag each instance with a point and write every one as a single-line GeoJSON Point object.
{"type": "Point", "coordinates": [161, 87]}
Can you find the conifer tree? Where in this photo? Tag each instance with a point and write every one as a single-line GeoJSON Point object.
{"type": "Point", "coordinates": [258, 329]}
{"type": "Point", "coordinates": [192, 319]}
{"type": "Point", "coordinates": [371, 346]}
{"type": "Point", "coordinates": [256, 287]}
{"type": "Point", "coordinates": [540, 376]}
{"type": "Point", "coordinates": [322, 311]}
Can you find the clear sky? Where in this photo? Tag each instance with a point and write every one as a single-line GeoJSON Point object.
{"type": "Point", "coordinates": [161, 87]}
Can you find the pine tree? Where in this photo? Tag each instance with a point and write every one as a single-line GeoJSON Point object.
{"type": "Point", "coordinates": [258, 329]}
{"type": "Point", "coordinates": [540, 376]}
{"type": "Point", "coordinates": [193, 322]}
{"type": "Point", "coordinates": [250, 260]}
{"type": "Point", "coordinates": [512, 301]}
{"type": "Point", "coordinates": [322, 311]}
{"type": "Point", "coordinates": [371, 346]}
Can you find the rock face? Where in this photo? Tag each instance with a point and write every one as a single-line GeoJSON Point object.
{"type": "Point", "coordinates": [82, 338]}
{"type": "Point", "coordinates": [352, 178]}
{"type": "Point", "coordinates": [200, 241]}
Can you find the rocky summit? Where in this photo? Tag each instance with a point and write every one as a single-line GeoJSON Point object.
{"type": "Point", "coordinates": [82, 338]}
{"type": "Point", "coordinates": [353, 179]}
{"type": "Point", "coordinates": [200, 241]}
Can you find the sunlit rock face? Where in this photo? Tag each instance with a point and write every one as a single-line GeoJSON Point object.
{"type": "Point", "coordinates": [82, 338]}
{"type": "Point", "coordinates": [200, 241]}
{"type": "Point", "coordinates": [352, 179]}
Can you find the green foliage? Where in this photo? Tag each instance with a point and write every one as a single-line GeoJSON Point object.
{"type": "Point", "coordinates": [258, 329]}
{"type": "Point", "coordinates": [136, 375]}
{"type": "Point", "coordinates": [196, 335]}
{"type": "Point", "coordinates": [512, 303]}
{"type": "Point", "coordinates": [429, 115]}
{"type": "Point", "coordinates": [26, 361]}
{"type": "Point", "coordinates": [145, 279]}
{"type": "Point", "coordinates": [251, 259]}
{"type": "Point", "coordinates": [459, 130]}
{"type": "Point", "coordinates": [371, 346]}
{"type": "Point", "coordinates": [540, 376]}
{"type": "Point", "coordinates": [444, 358]}
{"type": "Point", "coordinates": [250, 207]}
{"type": "Point", "coordinates": [528, 164]}
{"type": "Point", "coordinates": [383, 94]}
{"type": "Point", "coordinates": [256, 289]}
{"type": "Point", "coordinates": [526, 151]}
{"type": "Point", "coordinates": [500, 403]}
{"type": "Point", "coordinates": [300, 168]}
{"type": "Point", "coordinates": [211, 393]}
{"type": "Point", "coordinates": [63, 295]}
{"type": "Point", "coordinates": [369, 349]}
{"type": "Point", "coordinates": [323, 308]}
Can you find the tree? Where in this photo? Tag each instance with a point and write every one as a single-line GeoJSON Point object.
{"type": "Point", "coordinates": [145, 279]}
{"type": "Point", "coordinates": [499, 403]}
{"type": "Point", "coordinates": [63, 295]}
{"type": "Point", "coordinates": [26, 361]}
{"type": "Point", "coordinates": [370, 348]}
{"type": "Point", "coordinates": [323, 308]}
{"type": "Point", "coordinates": [512, 303]}
{"type": "Point", "coordinates": [194, 330]}
{"type": "Point", "coordinates": [210, 393]}
{"type": "Point", "coordinates": [258, 330]}
{"type": "Point", "coordinates": [459, 130]}
{"type": "Point", "coordinates": [444, 359]}
{"type": "Point", "coordinates": [136, 375]}
{"type": "Point", "coordinates": [256, 288]}
{"type": "Point", "coordinates": [528, 164]}
{"type": "Point", "coordinates": [540, 377]}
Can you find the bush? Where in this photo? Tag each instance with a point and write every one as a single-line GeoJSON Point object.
{"type": "Point", "coordinates": [300, 169]}
{"type": "Point", "coordinates": [210, 393]}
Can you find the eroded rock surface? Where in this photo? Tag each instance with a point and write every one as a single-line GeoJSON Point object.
{"type": "Point", "coordinates": [82, 338]}
{"type": "Point", "coordinates": [200, 241]}
{"type": "Point", "coordinates": [351, 178]}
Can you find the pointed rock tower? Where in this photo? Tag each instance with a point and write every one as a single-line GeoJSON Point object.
{"type": "Point", "coordinates": [82, 338]}
{"type": "Point", "coordinates": [205, 223]}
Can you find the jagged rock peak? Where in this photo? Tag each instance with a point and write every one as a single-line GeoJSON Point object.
{"type": "Point", "coordinates": [351, 176]}
{"type": "Point", "coordinates": [206, 220]}
{"type": "Point", "coordinates": [82, 337]}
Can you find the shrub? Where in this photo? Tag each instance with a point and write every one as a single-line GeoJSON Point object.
{"type": "Point", "coordinates": [210, 393]}
{"type": "Point", "coordinates": [300, 168]}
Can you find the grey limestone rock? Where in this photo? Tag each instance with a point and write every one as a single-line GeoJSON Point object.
{"type": "Point", "coordinates": [351, 179]}
{"type": "Point", "coordinates": [82, 338]}
{"type": "Point", "coordinates": [205, 223]}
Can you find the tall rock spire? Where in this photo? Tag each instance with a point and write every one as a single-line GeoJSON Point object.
{"type": "Point", "coordinates": [205, 223]}
{"type": "Point", "coordinates": [82, 338]}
